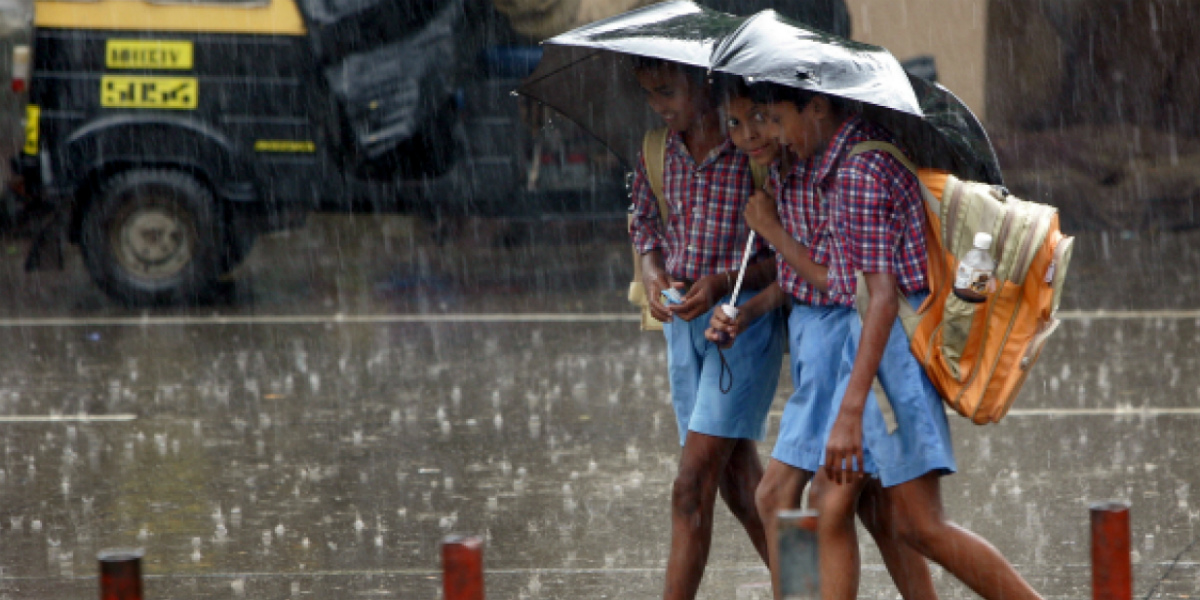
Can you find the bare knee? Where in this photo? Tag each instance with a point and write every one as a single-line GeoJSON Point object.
{"type": "Point", "coordinates": [779, 489]}
{"type": "Point", "coordinates": [919, 530]}
{"type": "Point", "coordinates": [836, 503]}
{"type": "Point", "coordinates": [692, 491]}
{"type": "Point", "coordinates": [766, 497]}
{"type": "Point", "coordinates": [740, 481]}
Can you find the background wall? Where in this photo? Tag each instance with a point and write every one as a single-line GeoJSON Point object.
{"type": "Point", "coordinates": [954, 32]}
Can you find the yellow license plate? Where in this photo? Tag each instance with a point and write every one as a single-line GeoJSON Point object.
{"type": "Point", "coordinates": [148, 54]}
{"type": "Point", "coordinates": [149, 92]}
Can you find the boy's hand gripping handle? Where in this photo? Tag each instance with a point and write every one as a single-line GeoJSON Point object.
{"type": "Point", "coordinates": [731, 309]}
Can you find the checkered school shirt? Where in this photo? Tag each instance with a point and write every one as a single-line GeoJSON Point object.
{"type": "Point", "coordinates": [853, 214]}
{"type": "Point", "coordinates": [803, 217]}
{"type": "Point", "coordinates": [875, 215]}
{"type": "Point", "coordinates": [705, 231]}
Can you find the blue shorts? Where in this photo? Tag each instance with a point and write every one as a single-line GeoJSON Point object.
{"type": "Point", "coordinates": [695, 372]}
{"type": "Point", "coordinates": [815, 336]}
{"type": "Point", "coordinates": [921, 443]}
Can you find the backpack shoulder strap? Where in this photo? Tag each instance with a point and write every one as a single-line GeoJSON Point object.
{"type": "Point", "coordinates": [931, 200]}
{"type": "Point", "coordinates": [654, 152]}
{"type": "Point", "coordinates": [873, 145]}
{"type": "Point", "coordinates": [759, 173]}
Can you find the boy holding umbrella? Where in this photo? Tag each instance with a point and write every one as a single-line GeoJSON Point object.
{"type": "Point", "coordinates": [695, 251]}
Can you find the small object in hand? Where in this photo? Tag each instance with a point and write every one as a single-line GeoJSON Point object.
{"type": "Point", "coordinates": [672, 295]}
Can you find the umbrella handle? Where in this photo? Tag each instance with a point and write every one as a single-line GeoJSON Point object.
{"type": "Point", "coordinates": [741, 275]}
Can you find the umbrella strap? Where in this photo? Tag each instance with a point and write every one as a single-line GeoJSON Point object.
{"type": "Point", "coordinates": [725, 369]}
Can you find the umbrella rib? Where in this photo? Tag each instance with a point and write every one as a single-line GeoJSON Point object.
{"type": "Point", "coordinates": [594, 52]}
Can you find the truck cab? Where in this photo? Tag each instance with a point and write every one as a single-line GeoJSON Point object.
{"type": "Point", "coordinates": [162, 138]}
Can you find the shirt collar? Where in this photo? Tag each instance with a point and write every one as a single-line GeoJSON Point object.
{"type": "Point", "coordinates": [825, 162]}
{"type": "Point", "coordinates": [675, 140]}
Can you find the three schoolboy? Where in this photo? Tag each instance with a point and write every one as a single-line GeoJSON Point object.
{"type": "Point", "coordinates": [834, 218]}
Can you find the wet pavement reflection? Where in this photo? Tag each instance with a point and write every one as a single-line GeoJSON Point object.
{"type": "Point", "coordinates": [374, 387]}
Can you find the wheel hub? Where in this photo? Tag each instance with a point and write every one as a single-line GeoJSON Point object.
{"type": "Point", "coordinates": [153, 242]}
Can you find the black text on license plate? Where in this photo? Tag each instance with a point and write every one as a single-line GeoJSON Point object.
{"type": "Point", "coordinates": [149, 92]}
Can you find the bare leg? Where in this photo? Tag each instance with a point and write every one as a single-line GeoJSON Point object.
{"type": "Point", "coordinates": [908, 568]}
{"type": "Point", "coordinates": [781, 489]}
{"type": "Point", "coordinates": [692, 498]}
{"type": "Point", "coordinates": [739, 482]}
{"type": "Point", "coordinates": [923, 525]}
{"type": "Point", "coordinates": [838, 548]}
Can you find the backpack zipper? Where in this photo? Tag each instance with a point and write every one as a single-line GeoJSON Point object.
{"type": "Point", "coordinates": [983, 343]}
{"type": "Point", "coordinates": [1032, 351]}
{"type": "Point", "coordinates": [1038, 340]}
{"type": "Point", "coordinates": [1057, 274]}
{"type": "Point", "coordinates": [1041, 223]}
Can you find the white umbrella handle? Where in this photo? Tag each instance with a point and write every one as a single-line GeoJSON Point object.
{"type": "Point", "coordinates": [730, 309]}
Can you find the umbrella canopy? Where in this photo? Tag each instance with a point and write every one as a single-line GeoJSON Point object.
{"type": "Point", "coordinates": [930, 121]}
{"type": "Point", "coordinates": [586, 73]}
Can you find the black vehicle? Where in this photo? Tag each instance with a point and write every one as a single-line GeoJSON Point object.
{"type": "Point", "coordinates": [163, 138]}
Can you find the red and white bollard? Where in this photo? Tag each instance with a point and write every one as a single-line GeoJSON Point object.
{"type": "Point", "coordinates": [462, 568]}
{"type": "Point", "coordinates": [120, 574]}
{"type": "Point", "coordinates": [1112, 565]}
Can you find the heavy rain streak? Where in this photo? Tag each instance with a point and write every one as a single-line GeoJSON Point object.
{"type": "Point", "coordinates": [295, 290]}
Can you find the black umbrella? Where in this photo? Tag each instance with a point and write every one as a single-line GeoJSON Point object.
{"type": "Point", "coordinates": [586, 74]}
{"type": "Point", "coordinates": [928, 120]}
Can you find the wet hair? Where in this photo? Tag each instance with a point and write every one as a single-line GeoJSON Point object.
{"type": "Point", "coordinates": [771, 93]}
{"type": "Point", "coordinates": [695, 75]}
{"type": "Point", "coordinates": [729, 87]}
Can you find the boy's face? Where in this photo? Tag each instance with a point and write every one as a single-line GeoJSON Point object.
{"type": "Point", "coordinates": [673, 96]}
{"type": "Point", "coordinates": [803, 131]}
{"type": "Point", "coordinates": [746, 124]}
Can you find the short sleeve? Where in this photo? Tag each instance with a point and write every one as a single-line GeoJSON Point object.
{"type": "Point", "coordinates": [645, 227]}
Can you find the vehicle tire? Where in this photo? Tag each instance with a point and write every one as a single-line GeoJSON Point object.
{"type": "Point", "coordinates": [154, 236]}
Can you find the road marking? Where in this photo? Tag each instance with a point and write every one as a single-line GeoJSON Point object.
{"type": "Point", "coordinates": [331, 319]}
{"type": "Point", "coordinates": [747, 569]}
{"type": "Point", "coordinates": [339, 318]}
{"type": "Point", "coordinates": [67, 418]}
{"type": "Point", "coordinates": [1118, 411]}
{"type": "Point", "coordinates": [1115, 411]}
{"type": "Point", "coordinates": [1127, 315]}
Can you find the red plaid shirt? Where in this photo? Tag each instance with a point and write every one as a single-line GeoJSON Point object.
{"type": "Point", "coordinates": [875, 215]}
{"type": "Point", "coordinates": [803, 216]}
{"type": "Point", "coordinates": [705, 231]}
{"type": "Point", "coordinates": [853, 214]}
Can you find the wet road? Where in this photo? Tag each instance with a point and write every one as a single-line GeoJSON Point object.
{"type": "Point", "coordinates": [365, 391]}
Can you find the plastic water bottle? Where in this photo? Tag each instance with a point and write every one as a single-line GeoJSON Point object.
{"type": "Point", "coordinates": [973, 280]}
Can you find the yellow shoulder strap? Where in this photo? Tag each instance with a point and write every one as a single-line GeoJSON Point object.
{"type": "Point", "coordinates": [654, 152]}
{"type": "Point", "coordinates": [931, 199]}
{"type": "Point", "coordinates": [759, 173]}
{"type": "Point", "coordinates": [862, 147]}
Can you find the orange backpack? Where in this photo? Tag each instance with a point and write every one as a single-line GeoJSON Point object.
{"type": "Point", "coordinates": [978, 355]}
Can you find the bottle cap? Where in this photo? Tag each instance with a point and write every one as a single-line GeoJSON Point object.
{"type": "Point", "coordinates": [983, 240]}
